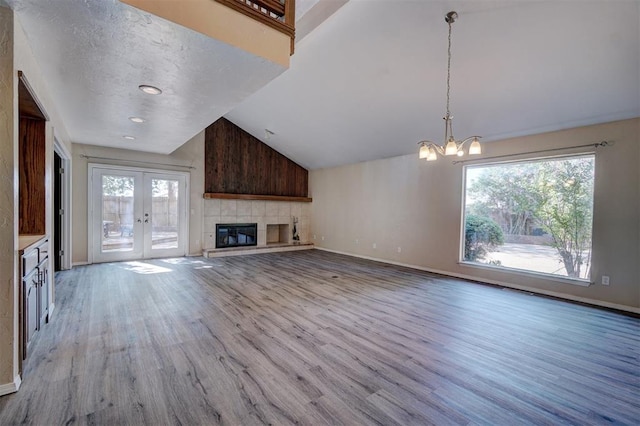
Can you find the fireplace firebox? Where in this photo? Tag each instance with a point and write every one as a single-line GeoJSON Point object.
{"type": "Point", "coordinates": [236, 235]}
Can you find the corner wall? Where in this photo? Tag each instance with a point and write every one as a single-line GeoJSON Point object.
{"type": "Point", "coordinates": [8, 204]}
{"type": "Point", "coordinates": [417, 206]}
{"type": "Point", "coordinates": [189, 154]}
{"type": "Point", "coordinates": [15, 55]}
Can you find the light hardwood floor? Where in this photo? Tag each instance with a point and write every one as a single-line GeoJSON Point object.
{"type": "Point", "coordinates": [317, 338]}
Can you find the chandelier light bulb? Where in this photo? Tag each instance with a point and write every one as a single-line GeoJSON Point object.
{"type": "Point", "coordinates": [424, 151]}
{"type": "Point", "coordinates": [475, 148]}
{"type": "Point", "coordinates": [433, 156]}
{"type": "Point", "coordinates": [451, 148]}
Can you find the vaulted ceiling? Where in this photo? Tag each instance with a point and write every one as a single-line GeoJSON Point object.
{"type": "Point", "coordinates": [370, 82]}
{"type": "Point", "coordinates": [367, 83]}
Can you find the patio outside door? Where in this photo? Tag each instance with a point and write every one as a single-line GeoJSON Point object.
{"type": "Point", "coordinates": [137, 214]}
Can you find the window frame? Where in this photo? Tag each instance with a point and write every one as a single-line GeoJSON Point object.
{"type": "Point", "coordinates": [584, 282]}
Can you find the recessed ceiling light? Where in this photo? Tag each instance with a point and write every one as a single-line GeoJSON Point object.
{"type": "Point", "coordinates": [151, 90]}
{"type": "Point", "coordinates": [129, 138]}
{"type": "Point", "coordinates": [137, 119]}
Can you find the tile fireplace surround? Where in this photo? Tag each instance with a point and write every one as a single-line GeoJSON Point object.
{"type": "Point", "coordinates": [261, 212]}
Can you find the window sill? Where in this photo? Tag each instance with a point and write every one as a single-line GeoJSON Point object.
{"type": "Point", "coordinates": [564, 280]}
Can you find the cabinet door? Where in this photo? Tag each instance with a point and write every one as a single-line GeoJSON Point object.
{"type": "Point", "coordinates": [31, 307]}
{"type": "Point", "coordinates": [43, 293]}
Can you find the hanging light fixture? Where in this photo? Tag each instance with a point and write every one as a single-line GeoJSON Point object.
{"type": "Point", "coordinates": [430, 150]}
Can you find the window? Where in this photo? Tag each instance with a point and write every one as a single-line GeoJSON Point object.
{"type": "Point", "coordinates": [531, 215]}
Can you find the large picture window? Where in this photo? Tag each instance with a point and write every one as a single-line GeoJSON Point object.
{"type": "Point", "coordinates": [532, 215]}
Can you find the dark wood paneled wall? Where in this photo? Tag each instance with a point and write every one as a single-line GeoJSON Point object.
{"type": "Point", "coordinates": [238, 163]}
{"type": "Point", "coordinates": [32, 153]}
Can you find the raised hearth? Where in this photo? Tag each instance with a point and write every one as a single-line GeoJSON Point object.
{"type": "Point", "coordinates": [271, 248]}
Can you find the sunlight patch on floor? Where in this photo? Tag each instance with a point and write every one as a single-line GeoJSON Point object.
{"type": "Point", "coordinates": [145, 268]}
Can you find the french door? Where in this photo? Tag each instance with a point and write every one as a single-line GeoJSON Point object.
{"type": "Point", "coordinates": [137, 214]}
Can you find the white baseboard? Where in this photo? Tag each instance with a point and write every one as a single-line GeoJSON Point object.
{"type": "Point", "coordinates": [84, 263]}
{"type": "Point", "coordinates": [499, 283]}
{"type": "Point", "coordinates": [52, 307]}
{"type": "Point", "coordinates": [12, 387]}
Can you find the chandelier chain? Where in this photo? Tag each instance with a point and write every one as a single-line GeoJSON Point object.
{"type": "Point", "coordinates": [449, 70]}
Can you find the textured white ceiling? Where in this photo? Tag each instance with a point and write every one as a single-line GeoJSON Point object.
{"type": "Point", "coordinates": [95, 53]}
{"type": "Point", "coordinates": [369, 82]}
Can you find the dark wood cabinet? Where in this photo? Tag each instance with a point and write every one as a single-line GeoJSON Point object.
{"type": "Point", "coordinates": [32, 153]}
{"type": "Point", "coordinates": [32, 156]}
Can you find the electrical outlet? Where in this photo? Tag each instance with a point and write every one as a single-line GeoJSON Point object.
{"type": "Point", "coordinates": [605, 280]}
{"type": "Point", "coordinates": [314, 236]}
{"type": "Point", "coordinates": [375, 245]}
{"type": "Point", "coordinates": [399, 249]}
{"type": "Point", "coordinates": [323, 238]}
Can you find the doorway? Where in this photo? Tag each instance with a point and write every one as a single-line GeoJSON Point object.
{"type": "Point", "coordinates": [58, 212]}
{"type": "Point", "coordinates": [137, 213]}
{"type": "Point", "coordinates": [61, 219]}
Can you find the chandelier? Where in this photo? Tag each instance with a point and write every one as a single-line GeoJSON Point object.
{"type": "Point", "coordinates": [451, 146]}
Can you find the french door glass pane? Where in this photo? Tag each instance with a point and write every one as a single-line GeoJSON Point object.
{"type": "Point", "coordinates": [117, 213]}
{"type": "Point", "coordinates": [164, 213]}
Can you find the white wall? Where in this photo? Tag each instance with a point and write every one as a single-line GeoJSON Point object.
{"type": "Point", "coordinates": [189, 154]}
{"type": "Point", "coordinates": [408, 203]}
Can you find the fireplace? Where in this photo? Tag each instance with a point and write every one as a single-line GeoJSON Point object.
{"type": "Point", "coordinates": [236, 235]}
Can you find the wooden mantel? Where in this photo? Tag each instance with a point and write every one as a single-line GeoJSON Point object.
{"type": "Point", "coordinates": [226, 196]}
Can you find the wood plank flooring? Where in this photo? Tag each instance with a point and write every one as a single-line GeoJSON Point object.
{"type": "Point", "coordinates": [318, 338]}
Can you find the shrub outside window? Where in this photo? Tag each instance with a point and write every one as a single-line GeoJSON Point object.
{"type": "Point", "coordinates": [533, 215]}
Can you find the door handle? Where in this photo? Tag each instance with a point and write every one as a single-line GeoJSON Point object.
{"type": "Point", "coordinates": [139, 220]}
{"type": "Point", "coordinates": [146, 218]}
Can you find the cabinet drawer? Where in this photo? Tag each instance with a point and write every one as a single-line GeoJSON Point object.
{"type": "Point", "coordinates": [29, 261]}
{"type": "Point", "coordinates": [43, 250]}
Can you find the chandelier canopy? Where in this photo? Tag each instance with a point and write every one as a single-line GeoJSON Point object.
{"type": "Point", "coordinates": [430, 150]}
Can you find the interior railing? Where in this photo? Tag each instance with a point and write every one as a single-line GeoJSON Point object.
{"type": "Point", "coordinates": [278, 14]}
